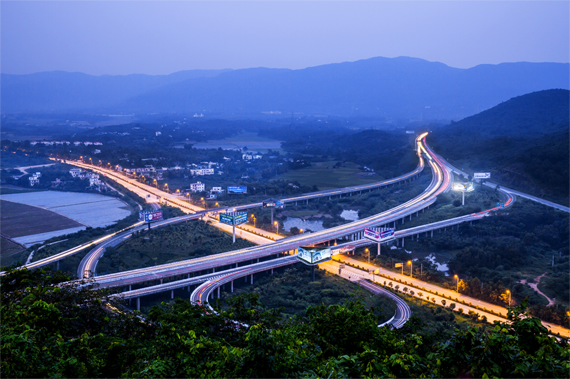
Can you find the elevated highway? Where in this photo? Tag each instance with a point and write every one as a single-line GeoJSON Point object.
{"type": "Point", "coordinates": [440, 182]}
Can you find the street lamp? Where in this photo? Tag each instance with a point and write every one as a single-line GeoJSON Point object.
{"type": "Point", "coordinates": [509, 293]}
{"type": "Point", "coordinates": [301, 231]}
{"type": "Point", "coordinates": [277, 226]}
{"type": "Point", "coordinates": [456, 282]}
{"type": "Point", "coordinates": [368, 252]}
{"type": "Point", "coordinates": [411, 268]}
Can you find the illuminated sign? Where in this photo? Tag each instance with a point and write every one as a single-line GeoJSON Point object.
{"type": "Point", "coordinates": [314, 255]}
{"type": "Point", "coordinates": [380, 236]}
{"type": "Point", "coordinates": [233, 218]}
{"type": "Point", "coordinates": [237, 189]}
{"type": "Point", "coordinates": [148, 216]}
{"type": "Point", "coordinates": [465, 187]}
{"type": "Point", "coordinates": [272, 203]}
{"type": "Point", "coordinates": [482, 175]}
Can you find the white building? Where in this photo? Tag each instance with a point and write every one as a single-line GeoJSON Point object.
{"type": "Point", "coordinates": [77, 143]}
{"type": "Point", "coordinates": [97, 143]}
{"type": "Point", "coordinates": [75, 172]}
{"type": "Point", "coordinates": [87, 143]}
{"type": "Point", "coordinates": [202, 171]}
{"type": "Point", "coordinates": [247, 157]}
{"type": "Point", "coordinates": [257, 156]}
{"type": "Point", "coordinates": [33, 143]}
{"type": "Point", "coordinates": [197, 187]}
{"type": "Point", "coordinates": [216, 190]}
{"type": "Point", "coordinates": [34, 180]}
{"type": "Point", "coordinates": [96, 151]}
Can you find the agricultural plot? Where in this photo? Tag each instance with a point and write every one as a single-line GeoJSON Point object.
{"type": "Point", "coordinates": [85, 208]}
{"type": "Point", "coordinates": [26, 225]}
{"type": "Point", "coordinates": [325, 176]}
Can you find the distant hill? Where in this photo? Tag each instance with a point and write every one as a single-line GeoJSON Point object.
{"type": "Point", "coordinates": [523, 142]}
{"type": "Point", "coordinates": [401, 87]}
{"type": "Point", "coordinates": [60, 91]}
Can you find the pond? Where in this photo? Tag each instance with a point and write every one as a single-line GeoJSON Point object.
{"type": "Point", "coordinates": [439, 261]}
{"type": "Point", "coordinates": [314, 225]}
{"type": "Point", "coordinates": [349, 215]}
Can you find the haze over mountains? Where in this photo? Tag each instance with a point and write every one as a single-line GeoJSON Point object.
{"type": "Point", "coordinates": [403, 87]}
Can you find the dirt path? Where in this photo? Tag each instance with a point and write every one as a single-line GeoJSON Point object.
{"type": "Point", "coordinates": [534, 286]}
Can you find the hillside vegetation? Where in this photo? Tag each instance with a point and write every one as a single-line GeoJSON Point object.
{"type": "Point", "coordinates": [64, 331]}
{"type": "Point", "coordinates": [523, 142]}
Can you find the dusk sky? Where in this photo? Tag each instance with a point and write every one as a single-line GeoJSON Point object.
{"type": "Point", "coordinates": [146, 37]}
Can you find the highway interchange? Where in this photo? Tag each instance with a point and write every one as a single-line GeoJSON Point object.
{"type": "Point", "coordinates": [441, 181]}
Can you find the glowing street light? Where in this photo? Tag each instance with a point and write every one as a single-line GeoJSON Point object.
{"type": "Point", "coordinates": [277, 226]}
{"type": "Point", "coordinates": [411, 268]}
{"type": "Point", "coordinates": [509, 293]}
{"type": "Point", "coordinates": [367, 251]}
{"type": "Point", "coordinates": [456, 282]}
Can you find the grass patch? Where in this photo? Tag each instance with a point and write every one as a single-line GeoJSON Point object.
{"type": "Point", "coordinates": [324, 176]}
{"type": "Point", "coordinates": [171, 243]}
{"type": "Point", "coordinates": [291, 289]}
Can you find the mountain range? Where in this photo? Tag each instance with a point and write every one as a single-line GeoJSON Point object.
{"type": "Point", "coordinates": [408, 88]}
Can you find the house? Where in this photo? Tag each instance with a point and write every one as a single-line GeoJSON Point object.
{"type": "Point", "coordinates": [97, 144]}
{"type": "Point", "coordinates": [87, 143]}
{"type": "Point", "coordinates": [158, 133]}
{"type": "Point", "coordinates": [247, 157]}
{"type": "Point", "coordinates": [34, 180]}
{"type": "Point", "coordinates": [96, 151]}
{"type": "Point", "coordinates": [75, 172]}
{"type": "Point", "coordinates": [77, 143]}
{"type": "Point", "coordinates": [197, 187]}
{"type": "Point", "coordinates": [257, 156]}
{"type": "Point", "coordinates": [216, 190]}
{"type": "Point", "coordinates": [33, 143]}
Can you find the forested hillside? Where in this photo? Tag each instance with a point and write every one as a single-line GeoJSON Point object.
{"type": "Point", "coordinates": [523, 142]}
{"type": "Point", "coordinates": [64, 331]}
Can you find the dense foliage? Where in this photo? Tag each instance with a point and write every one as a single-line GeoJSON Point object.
{"type": "Point", "coordinates": [70, 331]}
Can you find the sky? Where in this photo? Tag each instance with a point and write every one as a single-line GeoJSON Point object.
{"type": "Point", "coordinates": [162, 37]}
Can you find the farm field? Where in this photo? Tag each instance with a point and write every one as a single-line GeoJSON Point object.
{"type": "Point", "coordinates": [324, 176]}
{"type": "Point", "coordinates": [26, 225]}
{"type": "Point", "coordinates": [88, 209]}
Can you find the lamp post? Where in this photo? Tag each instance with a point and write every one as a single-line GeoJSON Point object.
{"type": "Point", "coordinates": [367, 252]}
{"type": "Point", "coordinates": [277, 226]}
{"type": "Point", "coordinates": [411, 269]}
{"type": "Point", "coordinates": [509, 293]}
{"type": "Point", "coordinates": [456, 283]}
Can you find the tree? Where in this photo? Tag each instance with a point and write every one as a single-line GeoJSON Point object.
{"type": "Point", "coordinates": [420, 294]}
{"type": "Point", "coordinates": [443, 302]}
{"type": "Point", "coordinates": [452, 306]}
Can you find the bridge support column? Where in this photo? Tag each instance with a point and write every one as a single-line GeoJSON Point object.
{"type": "Point", "coordinates": [402, 241]}
{"type": "Point", "coordinates": [403, 218]}
{"type": "Point", "coordinates": [218, 292]}
{"type": "Point", "coordinates": [257, 260]}
{"type": "Point", "coordinates": [57, 265]}
{"type": "Point", "coordinates": [418, 237]}
{"type": "Point", "coordinates": [251, 278]}
{"type": "Point", "coordinates": [171, 294]}
{"type": "Point", "coordinates": [271, 271]}
{"type": "Point", "coordinates": [232, 286]}
{"type": "Point", "coordinates": [245, 278]}
{"type": "Point", "coordinates": [161, 281]}
{"type": "Point", "coordinates": [432, 233]}
{"type": "Point", "coordinates": [410, 217]}
{"type": "Point", "coordinates": [138, 303]}
{"type": "Point", "coordinates": [130, 287]}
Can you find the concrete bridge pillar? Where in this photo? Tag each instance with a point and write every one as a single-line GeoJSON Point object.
{"type": "Point", "coordinates": [257, 260]}
{"type": "Point", "coordinates": [161, 281]}
{"type": "Point", "coordinates": [402, 241]}
{"type": "Point", "coordinates": [232, 286]}
{"type": "Point", "coordinates": [218, 292]}
{"type": "Point", "coordinates": [410, 217]}
{"type": "Point", "coordinates": [271, 271]}
{"type": "Point", "coordinates": [171, 294]}
{"type": "Point", "coordinates": [138, 303]}
{"type": "Point", "coordinates": [251, 278]}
